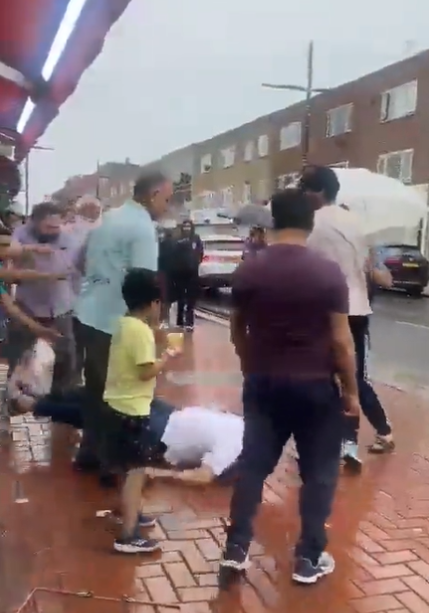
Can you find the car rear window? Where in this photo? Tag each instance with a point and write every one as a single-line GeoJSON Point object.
{"type": "Point", "coordinates": [224, 246]}
{"type": "Point", "coordinates": [400, 251]}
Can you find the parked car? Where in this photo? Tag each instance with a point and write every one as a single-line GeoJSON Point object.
{"type": "Point", "coordinates": [408, 266]}
{"type": "Point", "coordinates": [222, 254]}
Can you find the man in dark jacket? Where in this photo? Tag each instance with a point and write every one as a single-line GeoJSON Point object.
{"type": "Point", "coordinates": [188, 254]}
{"type": "Point", "coordinates": [166, 259]}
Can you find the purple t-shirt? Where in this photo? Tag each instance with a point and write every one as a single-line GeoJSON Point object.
{"type": "Point", "coordinates": [286, 296]}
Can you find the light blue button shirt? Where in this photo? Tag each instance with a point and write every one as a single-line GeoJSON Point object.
{"type": "Point", "coordinates": [125, 239]}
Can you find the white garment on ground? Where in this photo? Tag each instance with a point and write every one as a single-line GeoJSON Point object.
{"type": "Point", "coordinates": [197, 435]}
{"type": "Point", "coordinates": [338, 236]}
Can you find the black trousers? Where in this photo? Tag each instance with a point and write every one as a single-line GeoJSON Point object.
{"type": "Point", "coordinates": [370, 403]}
{"type": "Point", "coordinates": [187, 290]}
{"type": "Point", "coordinates": [96, 346]}
{"type": "Point", "coordinates": [275, 410]}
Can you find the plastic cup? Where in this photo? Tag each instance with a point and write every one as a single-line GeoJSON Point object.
{"type": "Point", "coordinates": [175, 341]}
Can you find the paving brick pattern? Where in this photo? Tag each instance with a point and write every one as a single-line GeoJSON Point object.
{"type": "Point", "coordinates": [379, 528]}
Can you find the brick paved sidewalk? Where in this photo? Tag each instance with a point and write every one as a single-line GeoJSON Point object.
{"type": "Point", "coordinates": [379, 528]}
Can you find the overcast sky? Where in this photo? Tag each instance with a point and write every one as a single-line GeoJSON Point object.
{"type": "Point", "coordinates": [173, 73]}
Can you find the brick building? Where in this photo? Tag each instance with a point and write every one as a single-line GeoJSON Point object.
{"type": "Point", "coordinates": [112, 183]}
{"type": "Point", "coordinates": [379, 121]}
{"type": "Point", "coordinates": [234, 166]}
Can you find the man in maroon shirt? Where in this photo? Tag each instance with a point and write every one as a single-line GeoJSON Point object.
{"type": "Point", "coordinates": [290, 329]}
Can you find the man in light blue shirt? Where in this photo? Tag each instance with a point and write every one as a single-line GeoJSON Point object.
{"type": "Point", "coordinates": [125, 239]}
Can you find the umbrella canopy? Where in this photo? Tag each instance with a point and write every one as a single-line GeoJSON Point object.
{"type": "Point", "coordinates": [254, 215]}
{"type": "Point", "coordinates": [45, 46]}
{"type": "Point", "coordinates": [388, 210]}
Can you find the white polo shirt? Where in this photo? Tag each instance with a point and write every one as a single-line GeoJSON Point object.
{"type": "Point", "coordinates": [337, 235]}
{"type": "Point", "coordinates": [196, 435]}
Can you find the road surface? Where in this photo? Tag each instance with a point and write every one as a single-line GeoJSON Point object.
{"type": "Point", "coordinates": [399, 340]}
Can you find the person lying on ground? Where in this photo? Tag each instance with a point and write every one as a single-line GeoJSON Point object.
{"type": "Point", "coordinates": [195, 445]}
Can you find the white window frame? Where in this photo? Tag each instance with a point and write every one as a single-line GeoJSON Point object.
{"type": "Point", "coordinates": [249, 149]}
{"type": "Point", "coordinates": [228, 157]}
{"type": "Point", "coordinates": [227, 195]}
{"type": "Point", "coordinates": [334, 116]}
{"type": "Point", "coordinates": [344, 164]}
{"type": "Point", "coordinates": [247, 192]}
{"type": "Point", "coordinates": [263, 146]}
{"type": "Point", "coordinates": [289, 179]}
{"type": "Point", "coordinates": [398, 102]}
{"type": "Point", "coordinates": [291, 135]}
{"type": "Point", "coordinates": [206, 163]}
{"type": "Point", "coordinates": [406, 170]}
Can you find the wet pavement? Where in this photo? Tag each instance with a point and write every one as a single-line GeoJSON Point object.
{"type": "Point", "coordinates": [50, 536]}
{"type": "Point", "coordinates": [399, 335]}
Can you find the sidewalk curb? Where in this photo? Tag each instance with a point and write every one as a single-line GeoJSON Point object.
{"type": "Point", "coordinates": [224, 322]}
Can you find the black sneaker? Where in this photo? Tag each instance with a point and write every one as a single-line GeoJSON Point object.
{"type": "Point", "coordinates": [307, 573]}
{"type": "Point", "coordinates": [136, 545]}
{"type": "Point", "coordinates": [233, 566]}
{"type": "Point", "coordinates": [144, 521]}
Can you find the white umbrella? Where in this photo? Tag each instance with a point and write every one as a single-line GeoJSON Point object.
{"type": "Point", "coordinates": [389, 211]}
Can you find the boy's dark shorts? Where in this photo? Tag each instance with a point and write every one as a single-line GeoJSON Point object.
{"type": "Point", "coordinates": [128, 442]}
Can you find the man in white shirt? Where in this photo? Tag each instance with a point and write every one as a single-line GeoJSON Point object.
{"type": "Point", "coordinates": [126, 238]}
{"type": "Point", "coordinates": [205, 443]}
{"type": "Point", "coordinates": [338, 236]}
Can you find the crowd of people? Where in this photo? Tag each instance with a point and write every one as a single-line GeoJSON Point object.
{"type": "Point", "coordinates": [99, 291]}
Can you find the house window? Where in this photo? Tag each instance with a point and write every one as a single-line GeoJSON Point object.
{"type": "Point", "coordinates": [248, 151]}
{"type": "Point", "coordinates": [263, 145]}
{"type": "Point", "coordinates": [399, 102]}
{"type": "Point", "coordinates": [289, 179]}
{"type": "Point", "coordinates": [339, 120]}
{"type": "Point", "coordinates": [227, 196]}
{"type": "Point", "coordinates": [263, 189]}
{"type": "Point", "coordinates": [339, 165]}
{"type": "Point", "coordinates": [228, 157]}
{"type": "Point", "coordinates": [290, 136]}
{"type": "Point", "coordinates": [206, 163]}
{"type": "Point", "coordinates": [397, 164]}
{"type": "Point", "coordinates": [247, 193]}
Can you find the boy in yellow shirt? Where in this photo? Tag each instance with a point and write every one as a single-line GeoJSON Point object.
{"type": "Point", "coordinates": [130, 386]}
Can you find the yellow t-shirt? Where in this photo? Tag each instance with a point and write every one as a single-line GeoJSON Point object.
{"type": "Point", "coordinates": [133, 344]}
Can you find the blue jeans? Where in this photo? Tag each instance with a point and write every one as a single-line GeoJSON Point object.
{"type": "Point", "coordinates": [275, 410]}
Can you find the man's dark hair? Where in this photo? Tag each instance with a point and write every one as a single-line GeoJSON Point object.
{"type": "Point", "coordinates": [140, 288]}
{"type": "Point", "coordinates": [43, 210]}
{"type": "Point", "coordinates": [147, 183]}
{"type": "Point", "coordinates": [320, 180]}
{"type": "Point", "coordinates": [292, 209]}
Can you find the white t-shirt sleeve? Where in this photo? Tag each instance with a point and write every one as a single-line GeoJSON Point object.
{"type": "Point", "coordinates": [225, 451]}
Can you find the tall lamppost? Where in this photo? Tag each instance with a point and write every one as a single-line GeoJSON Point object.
{"type": "Point", "coordinates": [27, 175]}
{"type": "Point", "coordinates": [308, 90]}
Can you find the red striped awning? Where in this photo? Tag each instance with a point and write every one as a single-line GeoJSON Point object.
{"type": "Point", "coordinates": [29, 32]}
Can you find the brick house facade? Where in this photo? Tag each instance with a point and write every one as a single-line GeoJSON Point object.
{"type": "Point", "coordinates": [234, 167]}
{"type": "Point", "coordinates": [380, 122]}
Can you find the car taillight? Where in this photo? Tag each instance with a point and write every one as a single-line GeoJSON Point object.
{"type": "Point", "coordinates": [212, 258]}
{"type": "Point", "coordinates": [392, 261]}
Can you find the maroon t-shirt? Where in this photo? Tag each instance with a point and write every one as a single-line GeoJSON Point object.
{"type": "Point", "coordinates": [286, 296]}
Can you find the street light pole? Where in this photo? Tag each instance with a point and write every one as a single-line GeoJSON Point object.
{"type": "Point", "coordinates": [308, 90]}
{"type": "Point", "coordinates": [27, 175]}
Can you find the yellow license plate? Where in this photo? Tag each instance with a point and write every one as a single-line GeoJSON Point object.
{"type": "Point", "coordinates": [410, 265]}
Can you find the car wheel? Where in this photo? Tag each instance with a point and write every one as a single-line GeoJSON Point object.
{"type": "Point", "coordinates": [416, 292]}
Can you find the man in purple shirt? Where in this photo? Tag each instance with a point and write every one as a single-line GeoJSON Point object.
{"type": "Point", "coordinates": [290, 330]}
{"type": "Point", "coordinates": [48, 302]}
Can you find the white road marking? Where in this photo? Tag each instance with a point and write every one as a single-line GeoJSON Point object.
{"type": "Point", "coordinates": [408, 323]}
